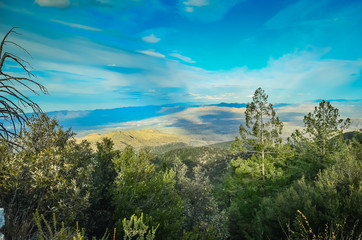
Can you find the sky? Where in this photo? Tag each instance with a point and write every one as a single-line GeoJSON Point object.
{"type": "Point", "coordinates": [104, 54]}
{"type": "Point", "coordinates": [186, 57]}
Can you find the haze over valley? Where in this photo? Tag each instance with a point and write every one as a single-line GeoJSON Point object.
{"type": "Point", "coordinates": [206, 123]}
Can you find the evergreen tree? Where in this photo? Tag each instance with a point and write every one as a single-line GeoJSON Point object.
{"type": "Point", "coordinates": [139, 188]}
{"type": "Point", "coordinates": [323, 130]}
{"type": "Point", "coordinates": [204, 219]}
{"type": "Point", "coordinates": [100, 212]}
{"type": "Point", "coordinates": [261, 132]}
{"type": "Point", "coordinates": [323, 125]}
{"type": "Point", "coordinates": [333, 197]}
{"type": "Point", "coordinates": [258, 169]}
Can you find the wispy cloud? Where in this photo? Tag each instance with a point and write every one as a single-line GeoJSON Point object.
{"type": "Point", "coordinates": [75, 25]}
{"type": "Point", "coordinates": [189, 9]}
{"type": "Point", "coordinates": [206, 10]}
{"type": "Point", "coordinates": [197, 3]}
{"type": "Point", "coordinates": [64, 116]}
{"type": "Point", "coordinates": [313, 14]}
{"type": "Point", "coordinates": [191, 4]}
{"type": "Point", "coordinates": [181, 57]}
{"type": "Point", "coordinates": [53, 3]}
{"type": "Point", "coordinates": [124, 4]}
{"type": "Point", "coordinates": [152, 52]}
{"type": "Point", "coordinates": [151, 39]}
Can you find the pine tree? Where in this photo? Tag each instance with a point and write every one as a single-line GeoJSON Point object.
{"type": "Point", "coordinates": [323, 129]}
{"type": "Point", "coordinates": [262, 128]}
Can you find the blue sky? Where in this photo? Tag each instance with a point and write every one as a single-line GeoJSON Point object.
{"type": "Point", "coordinates": [103, 54]}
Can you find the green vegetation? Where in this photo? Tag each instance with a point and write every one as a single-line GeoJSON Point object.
{"type": "Point", "coordinates": [315, 172]}
{"type": "Point", "coordinates": [309, 187]}
{"type": "Point", "coordinates": [136, 228]}
{"type": "Point", "coordinates": [140, 188]}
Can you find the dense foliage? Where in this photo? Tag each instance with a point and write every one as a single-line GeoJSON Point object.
{"type": "Point", "coordinates": [309, 187]}
{"type": "Point", "coordinates": [49, 171]}
{"type": "Point", "coordinates": [316, 172]}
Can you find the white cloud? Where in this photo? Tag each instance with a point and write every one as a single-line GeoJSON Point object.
{"type": "Point", "coordinates": [229, 97]}
{"type": "Point", "coordinates": [71, 115]}
{"type": "Point", "coordinates": [197, 3]}
{"type": "Point", "coordinates": [74, 25]}
{"type": "Point", "coordinates": [53, 3]}
{"type": "Point", "coordinates": [206, 10]}
{"type": "Point", "coordinates": [284, 79]}
{"type": "Point", "coordinates": [291, 16]}
{"type": "Point", "coordinates": [189, 9]}
{"type": "Point", "coordinates": [181, 57]}
{"type": "Point", "coordinates": [153, 53]}
{"type": "Point", "coordinates": [123, 4]}
{"type": "Point", "coordinates": [151, 39]}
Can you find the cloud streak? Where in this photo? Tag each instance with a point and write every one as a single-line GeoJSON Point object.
{"type": "Point", "coordinates": [53, 3]}
{"type": "Point", "coordinates": [206, 10]}
{"type": "Point", "coordinates": [75, 25]}
{"type": "Point", "coordinates": [152, 52]}
{"type": "Point", "coordinates": [181, 57]}
{"type": "Point", "coordinates": [197, 3]}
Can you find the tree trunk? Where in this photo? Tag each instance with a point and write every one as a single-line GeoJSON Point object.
{"type": "Point", "coordinates": [324, 150]}
{"type": "Point", "coordinates": [263, 165]}
{"type": "Point", "coordinates": [262, 143]}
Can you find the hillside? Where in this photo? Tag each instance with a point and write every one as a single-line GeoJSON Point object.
{"type": "Point", "coordinates": [356, 133]}
{"type": "Point", "coordinates": [143, 138]}
{"type": "Point", "coordinates": [214, 160]}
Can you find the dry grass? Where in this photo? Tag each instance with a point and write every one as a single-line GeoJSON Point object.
{"type": "Point", "coordinates": [138, 138]}
{"type": "Point", "coordinates": [304, 231]}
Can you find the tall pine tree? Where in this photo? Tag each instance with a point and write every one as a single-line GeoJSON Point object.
{"type": "Point", "coordinates": [262, 129]}
{"type": "Point", "coordinates": [323, 130]}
